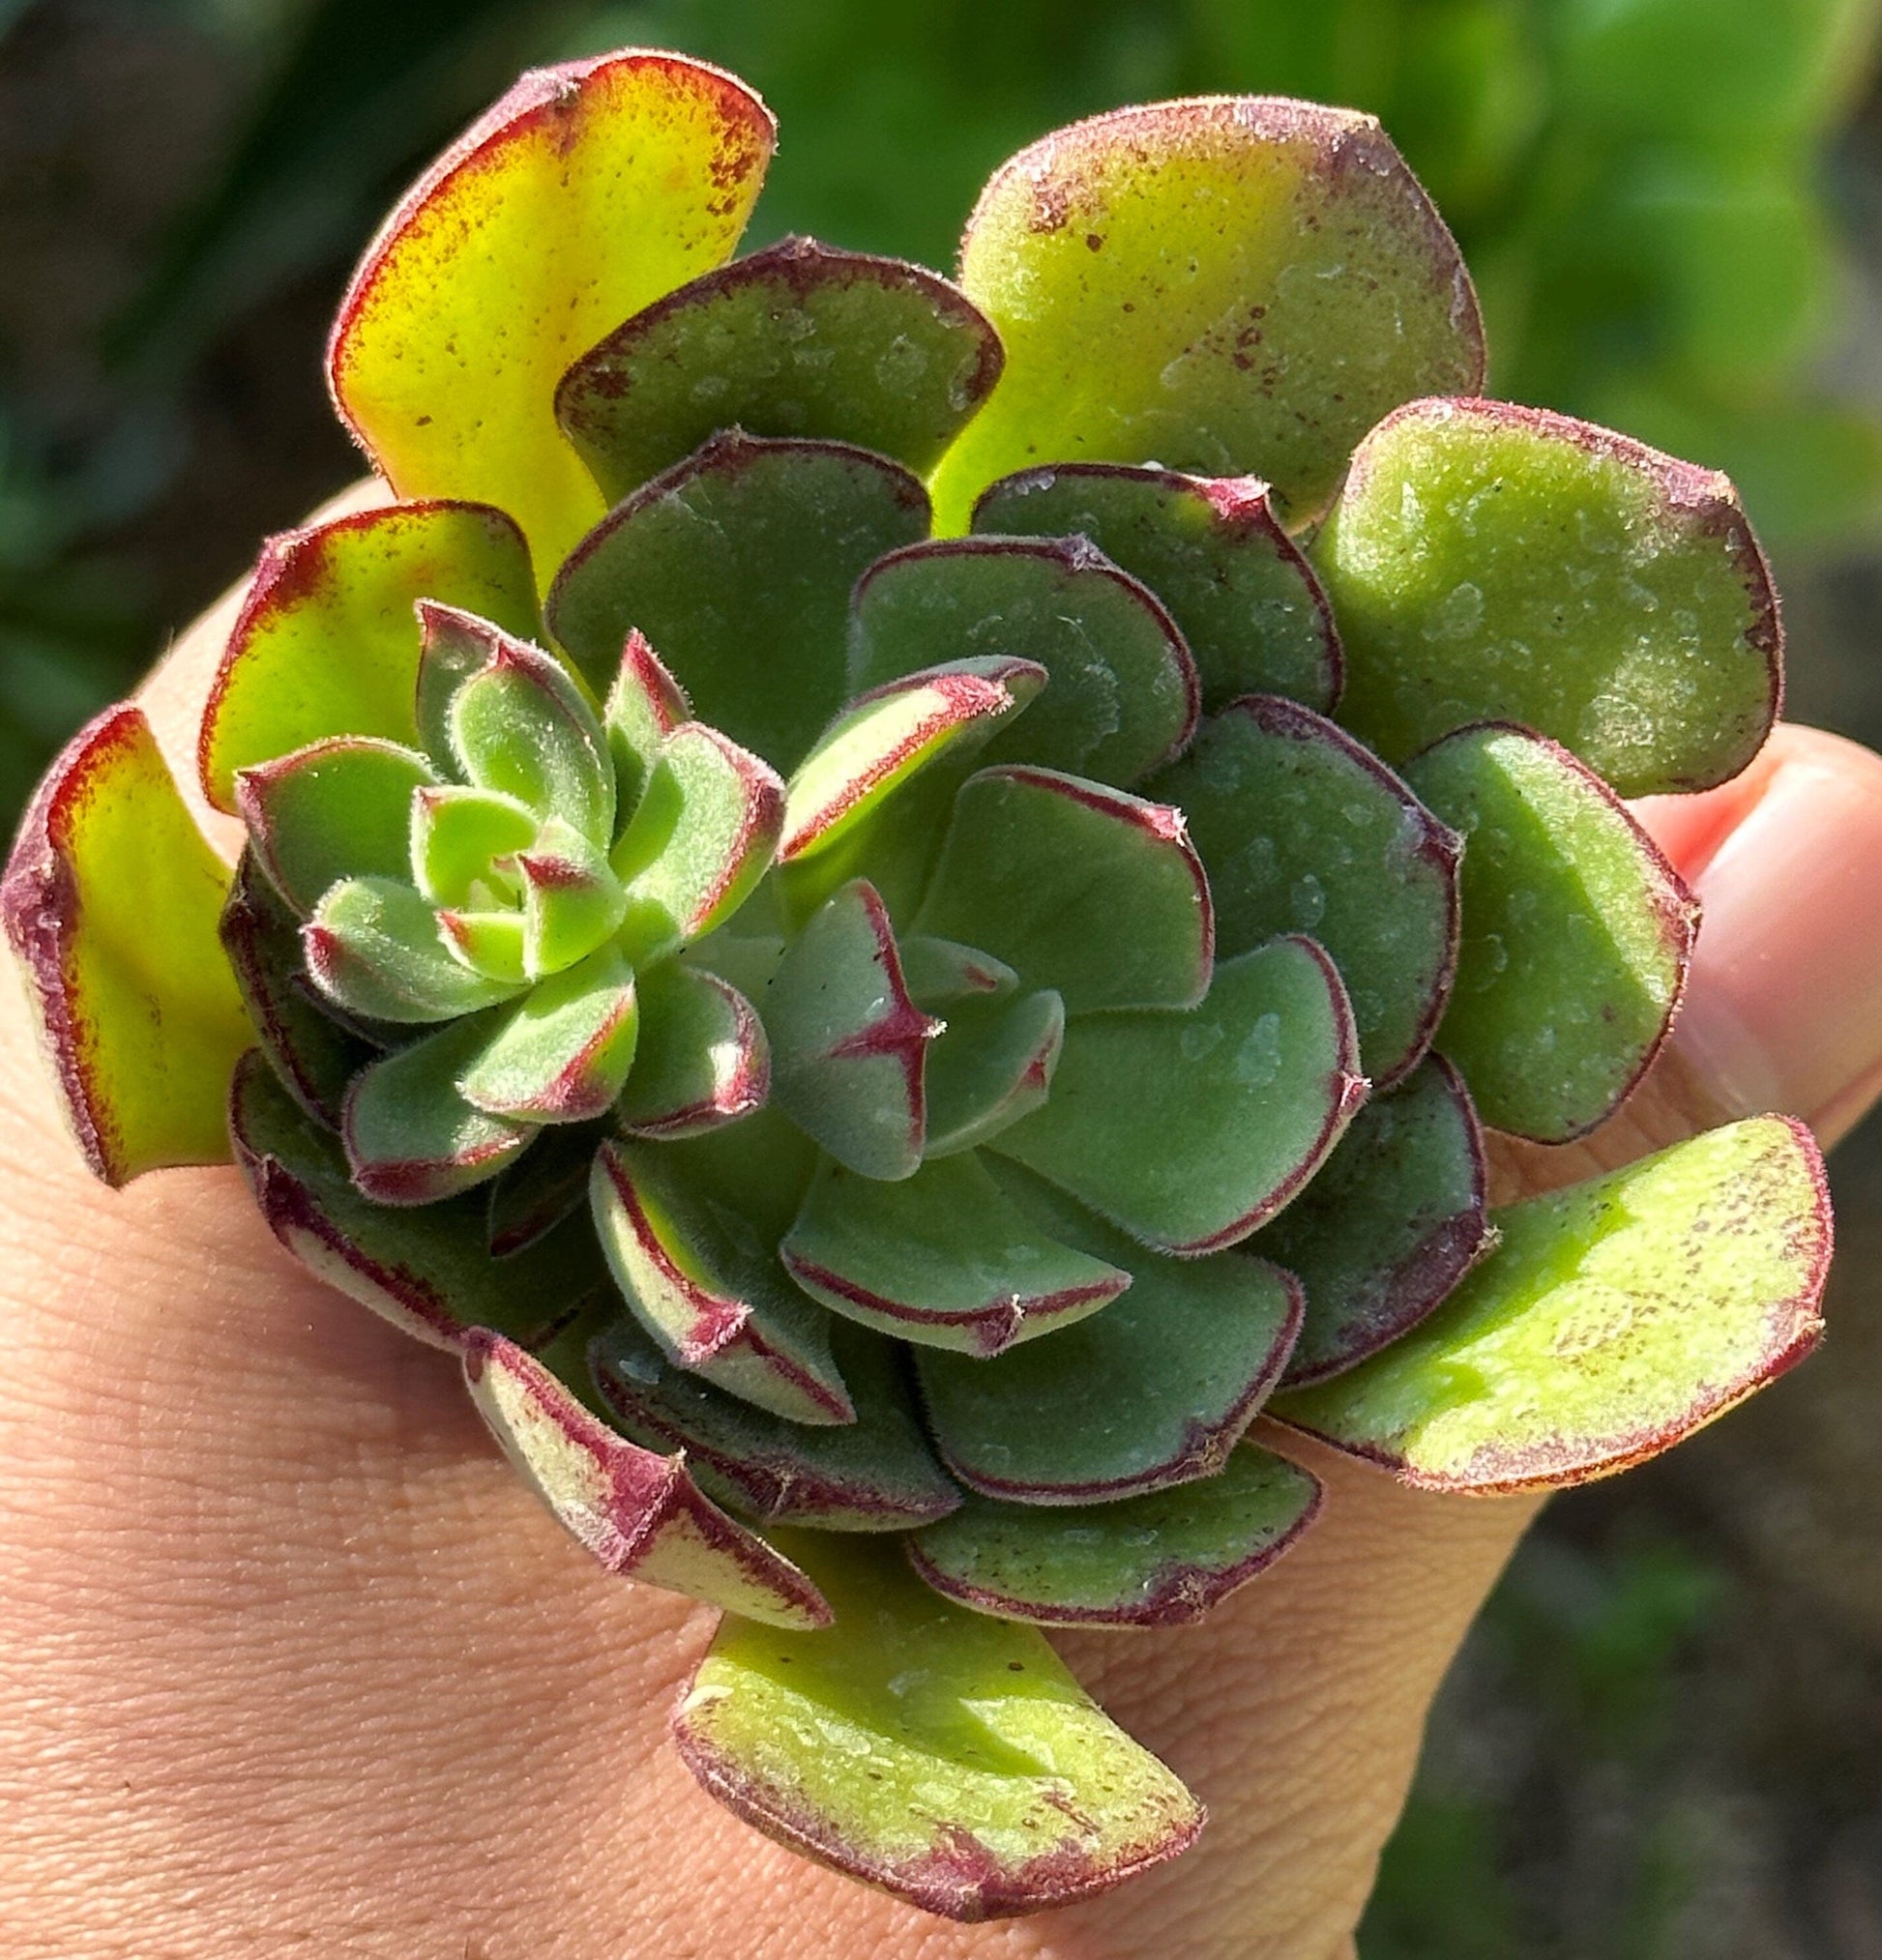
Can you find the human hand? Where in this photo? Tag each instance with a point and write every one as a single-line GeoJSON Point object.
{"type": "Point", "coordinates": [290, 1662]}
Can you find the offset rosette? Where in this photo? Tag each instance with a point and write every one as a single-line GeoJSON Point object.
{"type": "Point", "coordinates": [896, 906]}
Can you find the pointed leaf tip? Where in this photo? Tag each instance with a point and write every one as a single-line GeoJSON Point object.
{"type": "Point", "coordinates": [640, 1514]}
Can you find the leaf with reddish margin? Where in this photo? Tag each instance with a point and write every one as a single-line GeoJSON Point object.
{"type": "Point", "coordinates": [1164, 1558]}
{"type": "Point", "coordinates": [487, 943]}
{"type": "Point", "coordinates": [561, 1054]}
{"type": "Point", "coordinates": [111, 903]}
{"type": "Point", "coordinates": [518, 725]}
{"type": "Point", "coordinates": [1495, 562]}
{"type": "Point", "coordinates": [1123, 693]}
{"type": "Point", "coordinates": [1211, 549]}
{"type": "Point", "coordinates": [993, 1064]}
{"type": "Point", "coordinates": [1394, 1221]}
{"type": "Point", "coordinates": [1153, 1392]}
{"type": "Point", "coordinates": [886, 735]}
{"type": "Point", "coordinates": [313, 1055]}
{"type": "Point", "coordinates": [411, 1135]}
{"type": "Point", "coordinates": [1577, 933]}
{"type": "Point", "coordinates": [640, 1514]}
{"type": "Point", "coordinates": [1039, 868]}
{"type": "Point", "coordinates": [1302, 830]}
{"type": "Point", "coordinates": [1191, 1130]}
{"type": "Point", "coordinates": [645, 705]}
{"type": "Point", "coordinates": [374, 949]}
{"type": "Point", "coordinates": [875, 1473]}
{"type": "Point", "coordinates": [1226, 284]}
{"type": "Point", "coordinates": [703, 1058]}
{"type": "Point", "coordinates": [428, 1270]}
{"type": "Point", "coordinates": [943, 1259]}
{"type": "Point", "coordinates": [325, 643]}
{"type": "Point", "coordinates": [798, 339]}
{"type": "Point", "coordinates": [940, 971]}
{"type": "Point", "coordinates": [703, 835]}
{"type": "Point", "coordinates": [572, 902]}
{"type": "Point", "coordinates": [955, 1762]}
{"type": "Point", "coordinates": [462, 840]}
{"type": "Point", "coordinates": [533, 1195]}
{"type": "Point", "coordinates": [848, 1047]}
{"type": "Point", "coordinates": [505, 261]}
{"type": "Point", "coordinates": [337, 810]}
{"type": "Point", "coordinates": [737, 564]}
{"type": "Point", "coordinates": [1614, 1318]}
{"type": "Point", "coordinates": [711, 1294]}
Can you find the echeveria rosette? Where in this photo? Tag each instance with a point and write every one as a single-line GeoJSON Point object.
{"type": "Point", "coordinates": [892, 906]}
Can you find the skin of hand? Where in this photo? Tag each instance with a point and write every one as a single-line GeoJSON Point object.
{"type": "Point", "coordinates": [290, 1662]}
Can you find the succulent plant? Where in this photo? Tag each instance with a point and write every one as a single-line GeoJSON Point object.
{"type": "Point", "coordinates": [891, 943]}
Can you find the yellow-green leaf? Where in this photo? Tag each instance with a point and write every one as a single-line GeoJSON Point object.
{"type": "Point", "coordinates": [111, 903]}
{"type": "Point", "coordinates": [589, 190]}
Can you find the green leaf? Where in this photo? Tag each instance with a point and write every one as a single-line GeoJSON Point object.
{"type": "Point", "coordinates": [503, 262]}
{"type": "Point", "coordinates": [572, 900]}
{"type": "Point", "coordinates": [886, 735]}
{"type": "Point", "coordinates": [1040, 869]}
{"type": "Point", "coordinates": [561, 1054]}
{"type": "Point", "coordinates": [1191, 1130]}
{"type": "Point", "coordinates": [313, 1057]}
{"type": "Point", "coordinates": [1225, 284]}
{"type": "Point", "coordinates": [641, 1515]}
{"type": "Point", "coordinates": [1164, 1558]}
{"type": "Point", "coordinates": [943, 1259]}
{"type": "Point", "coordinates": [1577, 933]}
{"type": "Point", "coordinates": [426, 1271]}
{"type": "Point", "coordinates": [703, 1058]}
{"type": "Point", "coordinates": [411, 1135]}
{"type": "Point", "coordinates": [940, 971]}
{"type": "Point", "coordinates": [341, 809]}
{"type": "Point", "coordinates": [795, 340]}
{"type": "Point", "coordinates": [1153, 1392]}
{"type": "Point", "coordinates": [1122, 693]}
{"type": "Point", "coordinates": [847, 1043]}
{"type": "Point", "coordinates": [875, 1474]}
{"type": "Point", "coordinates": [1614, 1318]}
{"type": "Point", "coordinates": [1211, 548]}
{"type": "Point", "coordinates": [1494, 563]}
{"type": "Point", "coordinates": [710, 1291]}
{"type": "Point", "coordinates": [376, 948]}
{"type": "Point", "coordinates": [460, 841]}
{"type": "Point", "coordinates": [1393, 1221]}
{"type": "Point", "coordinates": [645, 705]}
{"type": "Point", "coordinates": [325, 644]}
{"type": "Point", "coordinates": [737, 564]}
{"type": "Point", "coordinates": [993, 1063]}
{"type": "Point", "coordinates": [703, 835]}
{"type": "Point", "coordinates": [1302, 830]}
{"type": "Point", "coordinates": [519, 727]}
{"type": "Point", "coordinates": [532, 1196]}
{"type": "Point", "coordinates": [946, 1757]}
{"type": "Point", "coordinates": [110, 902]}
{"type": "Point", "coordinates": [489, 945]}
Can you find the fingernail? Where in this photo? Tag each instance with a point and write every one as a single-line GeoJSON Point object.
{"type": "Point", "coordinates": [1784, 1007]}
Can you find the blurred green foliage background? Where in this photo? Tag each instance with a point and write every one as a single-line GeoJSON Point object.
{"type": "Point", "coordinates": [1662, 1742]}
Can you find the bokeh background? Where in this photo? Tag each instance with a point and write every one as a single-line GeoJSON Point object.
{"type": "Point", "coordinates": [1665, 1739]}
